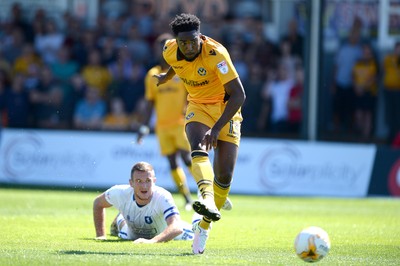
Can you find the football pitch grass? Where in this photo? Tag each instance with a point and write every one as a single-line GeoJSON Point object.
{"type": "Point", "coordinates": [46, 227]}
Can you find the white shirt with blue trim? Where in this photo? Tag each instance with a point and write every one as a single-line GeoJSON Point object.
{"type": "Point", "coordinates": [145, 221]}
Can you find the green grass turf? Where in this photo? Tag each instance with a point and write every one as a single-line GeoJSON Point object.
{"type": "Point", "coordinates": [45, 227]}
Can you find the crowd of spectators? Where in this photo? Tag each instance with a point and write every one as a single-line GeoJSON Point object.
{"type": "Point", "coordinates": [92, 78]}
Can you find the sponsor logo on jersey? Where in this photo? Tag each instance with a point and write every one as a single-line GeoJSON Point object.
{"type": "Point", "coordinates": [212, 52]}
{"type": "Point", "coordinates": [223, 67]}
{"type": "Point", "coordinates": [195, 83]}
{"type": "Point", "coordinates": [202, 71]}
{"type": "Point", "coordinates": [189, 116]}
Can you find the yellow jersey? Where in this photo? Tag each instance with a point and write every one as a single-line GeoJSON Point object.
{"type": "Point", "coordinates": [205, 76]}
{"type": "Point", "coordinates": [364, 72]}
{"type": "Point", "coordinates": [391, 69]}
{"type": "Point", "coordinates": [169, 99]}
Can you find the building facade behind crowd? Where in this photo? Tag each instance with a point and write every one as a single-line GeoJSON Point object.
{"type": "Point", "coordinates": [66, 74]}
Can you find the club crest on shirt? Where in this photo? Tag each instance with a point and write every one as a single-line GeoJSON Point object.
{"type": "Point", "coordinates": [223, 67]}
{"type": "Point", "coordinates": [202, 71]}
{"type": "Point", "coordinates": [148, 220]}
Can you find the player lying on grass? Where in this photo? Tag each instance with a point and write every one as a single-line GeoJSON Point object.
{"type": "Point", "coordinates": [147, 213]}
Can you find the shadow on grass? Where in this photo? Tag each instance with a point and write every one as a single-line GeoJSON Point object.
{"type": "Point", "coordinates": [83, 252]}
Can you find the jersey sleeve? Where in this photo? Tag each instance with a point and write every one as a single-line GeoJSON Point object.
{"type": "Point", "coordinates": [167, 204]}
{"type": "Point", "coordinates": [169, 51]}
{"type": "Point", "coordinates": [113, 195]}
{"type": "Point", "coordinates": [222, 64]}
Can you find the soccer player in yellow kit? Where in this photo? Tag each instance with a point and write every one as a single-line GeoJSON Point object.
{"type": "Point", "coordinates": [169, 102]}
{"type": "Point", "coordinates": [213, 116]}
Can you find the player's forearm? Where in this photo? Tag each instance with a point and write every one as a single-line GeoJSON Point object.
{"type": "Point", "coordinates": [168, 234]}
{"type": "Point", "coordinates": [234, 103]}
{"type": "Point", "coordinates": [147, 113]}
{"type": "Point", "coordinates": [170, 73]}
{"type": "Point", "coordinates": [99, 220]}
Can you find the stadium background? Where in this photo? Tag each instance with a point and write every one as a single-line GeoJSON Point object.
{"type": "Point", "coordinates": [40, 151]}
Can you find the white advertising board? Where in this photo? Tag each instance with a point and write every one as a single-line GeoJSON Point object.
{"type": "Point", "coordinates": [264, 167]}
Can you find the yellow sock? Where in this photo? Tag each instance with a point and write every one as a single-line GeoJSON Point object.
{"type": "Point", "coordinates": [180, 180]}
{"type": "Point", "coordinates": [203, 173]}
{"type": "Point", "coordinates": [205, 223]}
{"type": "Point", "coordinates": [220, 194]}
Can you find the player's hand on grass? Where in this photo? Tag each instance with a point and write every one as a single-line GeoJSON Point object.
{"type": "Point", "coordinates": [144, 240]}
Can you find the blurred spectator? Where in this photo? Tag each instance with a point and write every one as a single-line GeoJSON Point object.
{"type": "Point", "coordinates": [5, 66]}
{"type": "Point", "coordinates": [28, 58]}
{"type": "Point", "coordinates": [391, 84]}
{"type": "Point", "coordinates": [32, 77]}
{"type": "Point", "coordinates": [365, 84]}
{"type": "Point", "coordinates": [295, 102]}
{"type": "Point", "coordinates": [4, 83]}
{"type": "Point", "coordinates": [73, 92]}
{"type": "Point", "coordinates": [140, 15]}
{"type": "Point", "coordinates": [90, 111]}
{"type": "Point", "coordinates": [18, 20]}
{"type": "Point", "coordinates": [138, 46]}
{"type": "Point", "coordinates": [64, 68]}
{"type": "Point", "coordinates": [252, 105]}
{"type": "Point", "coordinates": [262, 51]}
{"type": "Point", "coordinates": [290, 60]}
{"type": "Point", "coordinates": [117, 118]}
{"type": "Point", "coordinates": [275, 96]}
{"type": "Point", "coordinates": [121, 67]}
{"type": "Point", "coordinates": [48, 43]}
{"type": "Point", "coordinates": [46, 100]}
{"type": "Point", "coordinates": [129, 87]}
{"type": "Point", "coordinates": [95, 74]}
{"type": "Point", "coordinates": [16, 104]}
{"type": "Point", "coordinates": [73, 30]}
{"type": "Point", "coordinates": [343, 93]}
{"type": "Point", "coordinates": [239, 63]}
{"type": "Point", "coordinates": [295, 39]}
{"type": "Point", "coordinates": [83, 44]}
{"type": "Point", "coordinates": [13, 45]}
{"type": "Point", "coordinates": [108, 50]}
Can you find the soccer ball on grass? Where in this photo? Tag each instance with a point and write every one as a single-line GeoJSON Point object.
{"type": "Point", "coordinates": [312, 244]}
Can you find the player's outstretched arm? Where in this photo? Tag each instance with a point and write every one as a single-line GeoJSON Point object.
{"type": "Point", "coordinates": [99, 214]}
{"type": "Point", "coordinates": [164, 77]}
{"type": "Point", "coordinates": [173, 230]}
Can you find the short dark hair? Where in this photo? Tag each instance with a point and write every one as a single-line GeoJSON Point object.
{"type": "Point", "coordinates": [185, 22]}
{"type": "Point", "coordinates": [142, 167]}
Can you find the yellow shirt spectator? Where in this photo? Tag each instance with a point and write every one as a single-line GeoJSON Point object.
{"type": "Point", "coordinates": [391, 67]}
